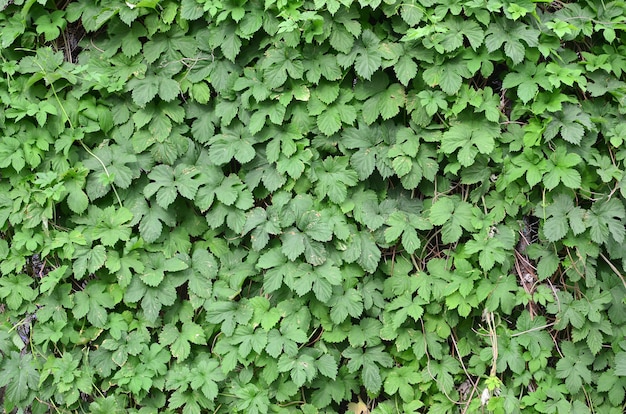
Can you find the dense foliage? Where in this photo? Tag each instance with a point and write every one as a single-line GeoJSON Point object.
{"type": "Point", "coordinates": [323, 206]}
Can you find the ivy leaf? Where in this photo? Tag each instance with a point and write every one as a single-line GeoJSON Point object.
{"type": "Point", "coordinates": [15, 289]}
{"type": "Point", "coordinates": [604, 218]}
{"type": "Point", "coordinates": [471, 136]}
{"type": "Point", "coordinates": [511, 34]}
{"type": "Point", "coordinates": [369, 362]}
{"type": "Point", "coordinates": [93, 302]}
{"type": "Point", "coordinates": [348, 304]}
{"type": "Point", "coordinates": [144, 90]}
{"type": "Point", "coordinates": [19, 376]}
{"type": "Point", "coordinates": [561, 169]}
{"type": "Point", "coordinates": [333, 177]}
{"type": "Point", "coordinates": [179, 341]}
{"type": "Point", "coordinates": [167, 182]}
{"type": "Point", "coordinates": [573, 366]}
{"type": "Point", "coordinates": [368, 57]}
{"type": "Point", "coordinates": [88, 259]}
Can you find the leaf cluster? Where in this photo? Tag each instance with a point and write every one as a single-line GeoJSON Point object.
{"type": "Point", "coordinates": [312, 206]}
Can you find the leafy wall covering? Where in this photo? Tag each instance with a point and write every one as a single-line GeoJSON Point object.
{"type": "Point", "coordinates": [327, 206]}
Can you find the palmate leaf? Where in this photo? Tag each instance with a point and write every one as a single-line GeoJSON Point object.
{"type": "Point", "coordinates": [234, 142]}
{"type": "Point", "coordinates": [368, 57]}
{"type": "Point", "coordinates": [454, 216]}
{"type": "Point", "coordinates": [447, 75]}
{"type": "Point", "coordinates": [93, 302]}
{"type": "Point", "coordinates": [113, 226]}
{"type": "Point", "coordinates": [157, 266]}
{"type": "Point", "coordinates": [168, 182]}
{"type": "Point", "coordinates": [369, 362]}
{"type": "Point", "coordinates": [15, 289]}
{"type": "Point", "coordinates": [203, 270]}
{"type": "Point", "coordinates": [561, 169]}
{"type": "Point", "coordinates": [301, 369]}
{"type": "Point", "coordinates": [179, 341]}
{"type": "Point", "coordinates": [144, 90]}
{"type": "Point", "coordinates": [333, 177]}
{"type": "Point", "coordinates": [471, 136]}
{"type": "Point", "coordinates": [19, 375]}
{"type": "Point", "coordinates": [387, 104]}
{"type": "Point", "coordinates": [562, 215]}
{"type": "Point", "coordinates": [511, 34]}
{"type": "Point", "coordinates": [606, 218]}
{"type": "Point", "coordinates": [348, 304]}
{"type": "Point", "coordinates": [206, 376]}
{"type": "Point", "coordinates": [88, 259]}
{"type": "Point", "coordinates": [527, 78]}
{"type": "Point", "coordinates": [111, 164]}
{"type": "Point", "coordinates": [152, 298]}
{"type": "Point", "coordinates": [331, 118]}
{"type": "Point", "coordinates": [574, 366]}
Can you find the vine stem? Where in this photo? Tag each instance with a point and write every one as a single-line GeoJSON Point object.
{"type": "Point", "coordinates": [106, 171]}
{"type": "Point", "coordinates": [614, 269]}
{"type": "Point", "coordinates": [69, 121]}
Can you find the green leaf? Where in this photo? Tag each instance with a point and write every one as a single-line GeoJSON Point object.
{"type": "Point", "coordinates": [19, 376]}
{"type": "Point", "coordinates": [348, 304]}
{"type": "Point", "coordinates": [573, 367]}
{"type": "Point", "coordinates": [327, 366]}
{"type": "Point", "coordinates": [470, 136]}
{"type": "Point", "coordinates": [144, 90]}
{"type": "Point", "coordinates": [88, 260]}
{"type": "Point", "coordinates": [401, 381]}
{"type": "Point", "coordinates": [168, 89]}
{"type": "Point", "coordinates": [93, 302]}
{"type": "Point", "coordinates": [561, 169]}
{"type": "Point", "coordinates": [15, 289]}
{"type": "Point", "coordinates": [511, 34]}
{"type": "Point", "coordinates": [406, 69]}
{"type": "Point", "coordinates": [368, 58]}
{"type": "Point", "coordinates": [606, 218]}
{"type": "Point", "coordinates": [179, 341]}
{"type": "Point", "coordinates": [620, 364]}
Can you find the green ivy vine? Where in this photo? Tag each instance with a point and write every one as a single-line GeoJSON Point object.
{"type": "Point", "coordinates": [327, 206]}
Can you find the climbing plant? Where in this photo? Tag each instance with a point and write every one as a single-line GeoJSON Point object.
{"type": "Point", "coordinates": [326, 206]}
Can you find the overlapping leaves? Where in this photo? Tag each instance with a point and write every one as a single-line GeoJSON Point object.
{"type": "Point", "coordinates": [307, 206]}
